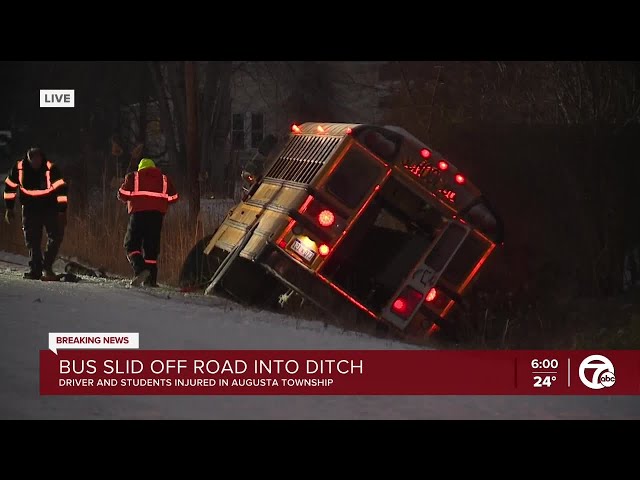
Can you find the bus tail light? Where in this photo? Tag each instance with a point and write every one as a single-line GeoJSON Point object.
{"type": "Point", "coordinates": [431, 296]}
{"type": "Point", "coordinates": [405, 304]}
{"type": "Point", "coordinates": [437, 300]}
{"type": "Point", "coordinates": [324, 250]}
{"type": "Point", "coordinates": [459, 179]}
{"type": "Point", "coordinates": [326, 218]}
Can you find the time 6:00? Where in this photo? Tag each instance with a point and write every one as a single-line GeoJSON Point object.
{"type": "Point", "coordinates": [545, 363]}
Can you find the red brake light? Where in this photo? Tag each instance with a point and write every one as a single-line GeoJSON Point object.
{"type": "Point", "coordinates": [326, 218]}
{"type": "Point", "coordinates": [323, 250]}
{"type": "Point", "coordinates": [443, 165]}
{"type": "Point", "coordinates": [425, 153]}
{"type": "Point", "coordinates": [400, 305]}
{"type": "Point", "coordinates": [431, 296]}
{"type": "Point", "coordinates": [282, 244]}
{"type": "Point", "coordinates": [295, 128]}
{"type": "Point", "coordinates": [349, 130]}
{"type": "Point", "coordinates": [460, 179]}
{"type": "Point", "coordinates": [406, 302]}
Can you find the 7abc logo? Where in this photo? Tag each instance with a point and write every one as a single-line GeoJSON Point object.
{"type": "Point", "coordinates": [603, 375]}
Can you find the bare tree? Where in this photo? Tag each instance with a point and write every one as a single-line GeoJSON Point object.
{"type": "Point", "coordinates": [214, 107]}
{"type": "Point", "coordinates": [212, 99]}
{"type": "Point", "coordinates": [192, 147]}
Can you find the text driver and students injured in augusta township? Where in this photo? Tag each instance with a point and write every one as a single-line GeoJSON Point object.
{"type": "Point", "coordinates": [354, 218]}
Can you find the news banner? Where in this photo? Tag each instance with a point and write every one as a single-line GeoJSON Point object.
{"type": "Point", "coordinates": [114, 364]}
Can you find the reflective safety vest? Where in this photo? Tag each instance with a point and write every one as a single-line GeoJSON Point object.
{"type": "Point", "coordinates": [147, 189]}
{"type": "Point", "coordinates": [28, 182]}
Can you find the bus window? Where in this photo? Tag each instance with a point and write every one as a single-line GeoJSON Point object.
{"type": "Point", "coordinates": [354, 177]}
{"type": "Point", "coordinates": [465, 259]}
{"type": "Point", "coordinates": [446, 246]}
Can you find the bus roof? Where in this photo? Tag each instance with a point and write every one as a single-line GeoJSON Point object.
{"type": "Point", "coordinates": [324, 128]}
{"type": "Point", "coordinates": [344, 129]}
{"type": "Point", "coordinates": [421, 162]}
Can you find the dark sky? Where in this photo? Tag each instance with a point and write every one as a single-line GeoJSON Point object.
{"type": "Point", "coordinates": [100, 89]}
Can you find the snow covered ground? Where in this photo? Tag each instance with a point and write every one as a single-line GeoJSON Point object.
{"type": "Point", "coordinates": [31, 309]}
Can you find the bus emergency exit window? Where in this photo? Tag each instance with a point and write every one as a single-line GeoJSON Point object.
{"type": "Point", "coordinates": [354, 177]}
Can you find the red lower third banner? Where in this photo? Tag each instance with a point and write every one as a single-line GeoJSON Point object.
{"type": "Point", "coordinates": [332, 372]}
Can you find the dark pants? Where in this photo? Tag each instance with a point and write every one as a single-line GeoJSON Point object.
{"type": "Point", "coordinates": [33, 221]}
{"type": "Point", "coordinates": [142, 242]}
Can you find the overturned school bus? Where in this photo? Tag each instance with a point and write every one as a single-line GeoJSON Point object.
{"type": "Point", "coordinates": [352, 216]}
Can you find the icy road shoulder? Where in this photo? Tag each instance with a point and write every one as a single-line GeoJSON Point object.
{"type": "Point", "coordinates": [167, 319]}
{"type": "Point", "coordinates": [31, 309]}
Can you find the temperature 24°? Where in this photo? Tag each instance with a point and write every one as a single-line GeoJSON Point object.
{"type": "Point", "coordinates": [543, 380]}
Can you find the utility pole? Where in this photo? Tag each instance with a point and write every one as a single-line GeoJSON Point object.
{"type": "Point", "coordinates": [193, 155]}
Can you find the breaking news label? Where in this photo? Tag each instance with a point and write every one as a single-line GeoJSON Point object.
{"type": "Point", "coordinates": [93, 341]}
{"type": "Point", "coordinates": [114, 364]}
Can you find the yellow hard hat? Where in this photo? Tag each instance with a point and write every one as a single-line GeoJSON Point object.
{"type": "Point", "coordinates": [146, 163]}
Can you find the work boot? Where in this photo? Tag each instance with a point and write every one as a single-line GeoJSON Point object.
{"type": "Point", "coordinates": [32, 275]}
{"type": "Point", "coordinates": [140, 278]}
{"type": "Point", "coordinates": [49, 275]}
{"type": "Point", "coordinates": [152, 281]}
{"type": "Point", "coordinates": [35, 267]}
{"type": "Point", "coordinates": [136, 261]}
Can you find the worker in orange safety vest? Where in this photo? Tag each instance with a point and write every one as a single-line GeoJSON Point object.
{"type": "Point", "coordinates": [39, 185]}
{"type": "Point", "coordinates": [148, 194]}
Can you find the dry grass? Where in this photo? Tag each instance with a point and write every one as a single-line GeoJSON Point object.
{"type": "Point", "coordinates": [95, 237]}
{"type": "Point", "coordinates": [502, 321]}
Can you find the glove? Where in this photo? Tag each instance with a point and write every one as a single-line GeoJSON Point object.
{"type": "Point", "coordinates": [9, 216]}
{"type": "Point", "coordinates": [62, 219]}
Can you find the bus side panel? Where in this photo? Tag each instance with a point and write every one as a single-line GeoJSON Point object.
{"type": "Point", "coordinates": [214, 240]}
{"type": "Point", "coordinates": [230, 236]}
{"type": "Point", "coordinates": [256, 244]}
{"type": "Point", "coordinates": [278, 195]}
{"type": "Point", "coordinates": [270, 203]}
